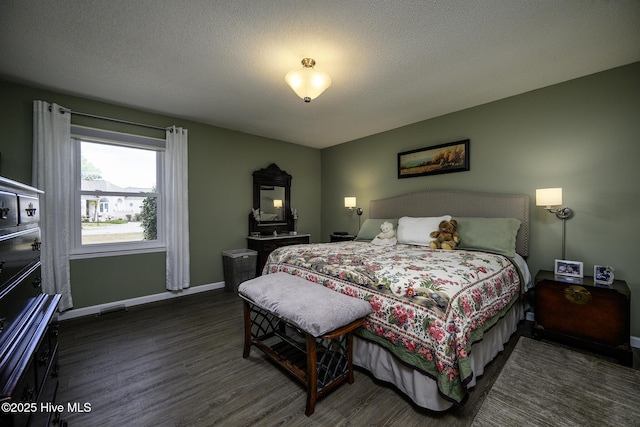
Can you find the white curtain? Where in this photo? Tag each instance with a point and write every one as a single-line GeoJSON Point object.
{"type": "Point", "coordinates": [53, 173]}
{"type": "Point", "coordinates": [176, 209]}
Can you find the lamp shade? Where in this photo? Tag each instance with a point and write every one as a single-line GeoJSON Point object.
{"type": "Point", "coordinates": [350, 202]}
{"type": "Point", "coordinates": [549, 197]}
{"type": "Point", "coordinates": [307, 82]}
{"type": "Point", "coordinates": [277, 203]}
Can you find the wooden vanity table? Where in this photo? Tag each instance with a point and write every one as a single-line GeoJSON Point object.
{"type": "Point", "coordinates": [272, 221]}
{"type": "Point", "coordinates": [264, 245]}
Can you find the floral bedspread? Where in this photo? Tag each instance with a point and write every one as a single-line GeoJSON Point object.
{"type": "Point", "coordinates": [429, 305]}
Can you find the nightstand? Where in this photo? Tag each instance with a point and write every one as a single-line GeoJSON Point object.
{"type": "Point", "coordinates": [341, 237]}
{"type": "Point", "coordinates": [581, 313]}
{"type": "Point", "coordinates": [264, 245]}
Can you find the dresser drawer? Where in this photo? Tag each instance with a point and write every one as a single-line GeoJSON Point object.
{"type": "Point", "coordinates": [46, 364]}
{"type": "Point", "coordinates": [47, 357]}
{"type": "Point", "coordinates": [272, 246]}
{"type": "Point", "coordinates": [28, 209]}
{"type": "Point", "coordinates": [8, 212]}
{"type": "Point", "coordinates": [38, 385]}
{"type": "Point", "coordinates": [278, 243]}
{"type": "Point", "coordinates": [17, 252]}
{"type": "Point", "coordinates": [26, 391]}
{"type": "Point", "coordinates": [18, 296]}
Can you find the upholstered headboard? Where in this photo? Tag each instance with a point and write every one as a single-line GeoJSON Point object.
{"type": "Point", "coordinates": [459, 203]}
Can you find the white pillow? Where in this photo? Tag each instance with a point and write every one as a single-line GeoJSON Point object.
{"type": "Point", "coordinates": [415, 231]}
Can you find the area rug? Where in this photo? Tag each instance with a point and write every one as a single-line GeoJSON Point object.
{"type": "Point", "coordinates": [546, 385]}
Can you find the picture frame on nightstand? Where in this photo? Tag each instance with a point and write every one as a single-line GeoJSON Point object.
{"type": "Point", "coordinates": [568, 268]}
{"type": "Point", "coordinates": [603, 275]}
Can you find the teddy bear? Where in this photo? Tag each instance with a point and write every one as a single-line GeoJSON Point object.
{"type": "Point", "coordinates": [446, 236]}
{"type": "Point", "coordinates": [387, 236]}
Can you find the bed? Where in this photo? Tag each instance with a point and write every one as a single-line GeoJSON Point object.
{"type": "Point", "coordinates": [439, 316]}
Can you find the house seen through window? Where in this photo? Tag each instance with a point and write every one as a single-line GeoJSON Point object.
{"type": "Point", "coordinates": [117, 193]}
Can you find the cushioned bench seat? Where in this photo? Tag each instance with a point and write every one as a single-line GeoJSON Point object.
{"type": "Point", "coordinates": [305, 327]}
{"type": "Point", "coordinates": [312, 307]}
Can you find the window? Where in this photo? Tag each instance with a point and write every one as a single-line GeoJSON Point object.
{"type": "Point", "coordinates": [118, 192]}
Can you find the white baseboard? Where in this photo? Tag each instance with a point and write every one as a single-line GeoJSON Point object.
{"type": "Point", "coordinates": [116, 305]}
{"type": "Point", "coordinates": [96, 309]}
{"type": "Point", "coordinates": [635, 341]}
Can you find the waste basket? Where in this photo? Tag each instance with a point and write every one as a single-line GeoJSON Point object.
{"type": "Point", "coordinates": [239, 265]}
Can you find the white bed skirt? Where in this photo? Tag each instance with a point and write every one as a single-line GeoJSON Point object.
{"type": "Point", "coordinates": [419, 387]}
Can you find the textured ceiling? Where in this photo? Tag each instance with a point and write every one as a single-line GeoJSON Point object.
{"type": "Point", "coordinates": [392, 63]}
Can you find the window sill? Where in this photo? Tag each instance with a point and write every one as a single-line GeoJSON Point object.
{"type": "Point", "coordinates": [99, 252]}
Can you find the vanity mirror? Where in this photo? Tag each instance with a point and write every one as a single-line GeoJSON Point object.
{"type": "Point", "coordinates": [271, 202]}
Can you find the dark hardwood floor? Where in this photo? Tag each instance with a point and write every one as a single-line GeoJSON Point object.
{"type": "Point", "coordinates": [179, 363]}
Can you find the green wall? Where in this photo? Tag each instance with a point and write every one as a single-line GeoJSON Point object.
{"type": "Point", "coordinates": [220, 191]}
{"type": "Point", "coordinates": [581, 135]}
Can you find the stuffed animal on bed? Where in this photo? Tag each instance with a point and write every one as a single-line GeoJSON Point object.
{"type": "Point", "coordinates": [387, 236]}
{"type": "Point", "coordinates": [446, 236]}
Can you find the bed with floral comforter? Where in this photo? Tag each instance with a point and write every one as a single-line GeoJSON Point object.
{"type": "Point", "coordinates": [429, 305]}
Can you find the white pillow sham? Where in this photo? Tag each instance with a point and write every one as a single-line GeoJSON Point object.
{"type": "Point", "coordinates": [415, 231]}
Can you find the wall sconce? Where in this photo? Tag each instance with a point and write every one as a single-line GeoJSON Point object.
{"type": "Point", "coordinates": [307, 83]}
{"type": "Point", "coordinates": [549, 197]}
{"type": "Point", "coordinates": [350, 203]}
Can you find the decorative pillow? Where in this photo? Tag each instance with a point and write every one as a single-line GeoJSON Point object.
{"type": "Point", "coordinates": [415, 231]}
{"type": "Point", "coordinates": [489, 234]}
{"type": "Point", "coordinates": [371, 228]}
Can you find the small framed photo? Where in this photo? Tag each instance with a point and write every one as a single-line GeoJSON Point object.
{"type": "Point", "coordinates": [603, 274]}
{"type": "Point", "coordinates": [567, 268]}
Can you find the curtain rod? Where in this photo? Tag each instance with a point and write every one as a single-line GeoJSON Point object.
{"type": "Point", "coordinates": [110, 119]}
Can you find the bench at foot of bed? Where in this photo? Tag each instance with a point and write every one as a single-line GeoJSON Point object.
{"type": "Point", "coordinates": [304, 327]}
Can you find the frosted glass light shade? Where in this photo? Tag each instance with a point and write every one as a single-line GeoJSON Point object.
{"type": "Point", "coordinates": [307, 82]}
{"type": "Point", "coordinates": [350, 202]}
{"type": "Point", "coordinates": [277, 203]}
{"type": "Point", "coordinates": [549, 197]}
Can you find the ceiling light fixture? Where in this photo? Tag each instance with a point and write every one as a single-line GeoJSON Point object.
{"type": "Point", "coordinates": [307, 82]}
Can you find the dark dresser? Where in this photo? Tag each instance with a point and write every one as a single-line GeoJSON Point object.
{"type": "Point", "coordinates": [28, 338]}
{"type": "Point", "coordinates": [264, 245]}
{"type": "Point", "coordinates": [585, 314]}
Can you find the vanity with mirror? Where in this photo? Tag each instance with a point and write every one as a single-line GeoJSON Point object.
{"type": "Point", "coordinates": [271, 221]}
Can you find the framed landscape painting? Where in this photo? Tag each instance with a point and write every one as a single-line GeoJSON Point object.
{"type": "Point", "coordinates": [443, 158]}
